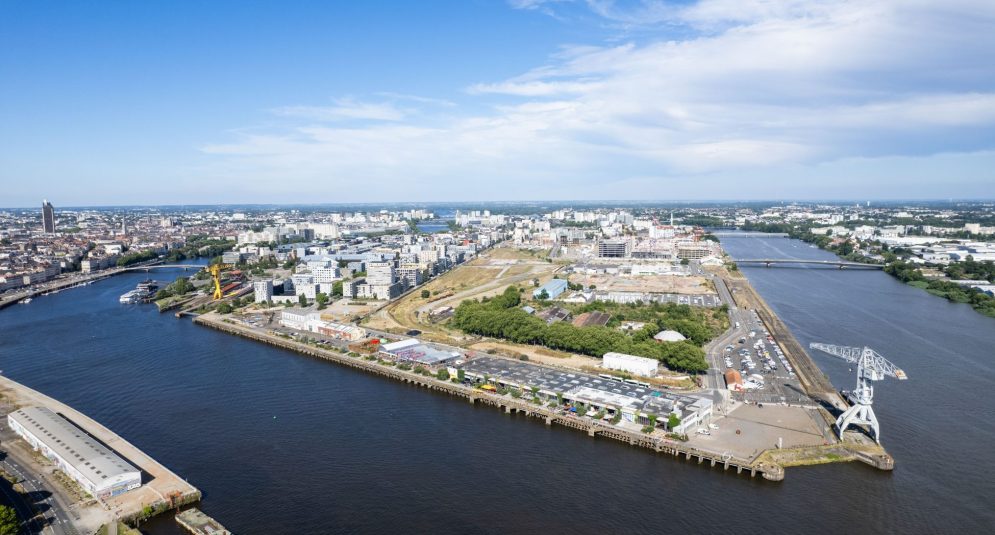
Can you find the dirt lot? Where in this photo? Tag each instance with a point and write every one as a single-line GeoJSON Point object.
{"type": "Point", "coordinates": [485, 276]}
{"type": "Point", "coordinates": [646, 283]}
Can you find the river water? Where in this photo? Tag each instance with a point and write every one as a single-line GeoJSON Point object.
{"type": "Point", "coordinates": [281, 443]}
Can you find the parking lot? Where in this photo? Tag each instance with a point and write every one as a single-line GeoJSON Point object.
{"type": "Point", "coordinates": [767, 375]}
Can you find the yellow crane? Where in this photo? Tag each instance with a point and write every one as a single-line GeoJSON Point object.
{"type": "Point", "coordinates": [215, 270]}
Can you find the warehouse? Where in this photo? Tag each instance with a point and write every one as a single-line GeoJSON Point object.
{"type": "Point", "coordinates": [630, 363]}
{"type": "Point", "coordinates": [552, 289]}
{"type": "Point", "coordinates": [97, 469]}
{"type": "Point", "coordinates": [414, 350]}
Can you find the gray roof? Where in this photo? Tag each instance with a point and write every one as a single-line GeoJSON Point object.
{"type": "Point", "coordinates": [91, 458]}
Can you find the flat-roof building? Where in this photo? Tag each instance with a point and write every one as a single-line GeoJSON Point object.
{"type": "Point", "coordinates": [552, 288]}
{"type": "Point", "coordinates": [415, 351]}
{"type": "Point", "coordinates": [96, 468]}
{"type": "Point", "coordinates": [630, 363]}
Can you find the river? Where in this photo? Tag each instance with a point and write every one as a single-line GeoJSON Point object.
{"type": "Point", "coordinates": [281, 443]}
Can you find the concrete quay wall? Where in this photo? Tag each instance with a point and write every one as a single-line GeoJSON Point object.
{"type": "Point", "coordinates": [768, 471]}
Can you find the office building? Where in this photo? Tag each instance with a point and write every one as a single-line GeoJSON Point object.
{"type": "Point", "coordinates": [48, 217]}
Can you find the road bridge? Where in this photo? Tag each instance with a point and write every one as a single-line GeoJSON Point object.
{"type": "Point", "coordinates": [163, 266]}
{"type": "Point", "coordinates": [746, 234]}
{"type": "Point", "coordinates": [842, 264]}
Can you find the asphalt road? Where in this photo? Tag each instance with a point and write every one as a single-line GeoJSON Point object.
{"type": "Point", "coordinates": [55, 516]}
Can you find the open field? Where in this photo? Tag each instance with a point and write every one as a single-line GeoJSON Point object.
{"type": "Point", "coordinates": [646, 283]}
{"type": "Point", "coordinates": [485, 276]}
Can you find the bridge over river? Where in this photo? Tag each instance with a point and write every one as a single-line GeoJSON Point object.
{"type": "Point", "coordinates": [842, 264]}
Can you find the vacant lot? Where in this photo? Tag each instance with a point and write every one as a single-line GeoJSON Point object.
{"type": "Point", "coordinates": [485, 276]}
{"type": "Point", "coordinates": [646, 283]}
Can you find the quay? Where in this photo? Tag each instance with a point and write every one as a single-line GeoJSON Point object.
{"type": "Point", "coordinates": [195, 521]}
{"type": "Point", "coordinates": [161, 490]}
{"type": "Point", "coordinates": [765, 468]}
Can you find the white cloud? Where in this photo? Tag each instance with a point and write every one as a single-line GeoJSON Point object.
{"type": "Point", "coordinates": [344, 108]}
{"type": "Point", "coordinates": [763, 87]}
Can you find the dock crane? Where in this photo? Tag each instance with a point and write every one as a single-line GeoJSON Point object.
{"type": "Point", "coordinates": [215, 270]}
{"type": "Point", "coordinates": [870, 367]}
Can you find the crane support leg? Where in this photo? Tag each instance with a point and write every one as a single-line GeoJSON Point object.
{"type": "Point", "coordinates": [859, 414]}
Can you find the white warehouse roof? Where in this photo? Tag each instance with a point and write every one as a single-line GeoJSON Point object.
{"type": "Point", "coordinates": [90, 458]}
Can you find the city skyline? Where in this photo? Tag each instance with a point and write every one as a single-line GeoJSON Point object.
{"type": "Point", "coordinates": [518, 101]}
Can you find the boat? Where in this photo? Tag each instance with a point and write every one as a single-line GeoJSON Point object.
{"type": "Point", "coordinates": [25, 301]}
{"type": "Point", "coordinates": [142, 293]}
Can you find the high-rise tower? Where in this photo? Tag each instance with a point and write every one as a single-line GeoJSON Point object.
{"type": "Point", "coordinates": [48, 216]}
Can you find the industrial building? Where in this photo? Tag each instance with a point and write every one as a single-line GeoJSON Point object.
{"type": "Point", "coordinates": [630, 363]}
{"type": "Point", "coordinates": [552, 288]}
{"type": "Point", "coordinates": [413, 350]}
{"type": "Point", "coordinates": [96, 468]}
{"type": "Point", "coordinates": [635, 401]}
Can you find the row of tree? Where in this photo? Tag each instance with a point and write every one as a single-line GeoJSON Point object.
{"type": "Point", "coordinates": [500, 317]}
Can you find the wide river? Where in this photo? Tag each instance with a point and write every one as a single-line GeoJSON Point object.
{"type": "Point", "coordinates": [281, 443]}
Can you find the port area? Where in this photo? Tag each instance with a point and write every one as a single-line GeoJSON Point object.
{"type": "Point", "coordinates": [745, 459]}
{"type": "Point", "coordinates": [195, 521]}
{"type": "Point", "coordinates": [74, 511]}
{"type": "Point", "coordinates": [806, 387]}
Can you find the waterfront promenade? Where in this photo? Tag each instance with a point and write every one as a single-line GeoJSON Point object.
{"type": "Point", "coordinates": [161, 488]}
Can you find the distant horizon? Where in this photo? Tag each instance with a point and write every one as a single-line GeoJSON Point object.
{"type": "Point", "coordinates": [561, 203]}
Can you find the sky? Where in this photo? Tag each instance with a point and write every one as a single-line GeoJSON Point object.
{"type": "Point", "coordinates": [185, 102]}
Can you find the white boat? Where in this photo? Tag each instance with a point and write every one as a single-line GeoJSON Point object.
{"type": "Point", "coordinates": [25, 301]}
{"type": "Point", "coordinates": [131, 297]}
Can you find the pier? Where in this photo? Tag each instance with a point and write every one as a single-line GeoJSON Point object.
{"type": "Point", "coordinates": [161, 490]}
{"type": "Point", "coordinates": [767, 470]}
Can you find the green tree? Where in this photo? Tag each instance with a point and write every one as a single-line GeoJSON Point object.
{"type": "Point", "coordinates": [673, 421]}
{"type": "Point", "coordinates": [9, 524]}
{"type": "Point", "coordinates": [302, 300]}
{"type": "Point", "coordinates": [322, 300]}
{"type": "Point", "coordinates": [224, 308]}
{"type": "Point", "coordinates": [442, 374]}
{"type": "Point", "coordinates": [559, 398]}
{"type": "Point", "coordinates": [425, 294]}
{"type": "Point", "coordinates": [543, 295]}
{"type": "Point", "coordinates": [337, 290]}
{"type": "Point", "coordinates": [461, 375]}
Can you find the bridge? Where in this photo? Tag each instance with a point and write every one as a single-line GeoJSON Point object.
{"type": "Point", "coordinates": [842, 264]}
{"type": "Point", "coordinates": [745, 234]}
{"type": "Point", "coordinates": [196, 267]}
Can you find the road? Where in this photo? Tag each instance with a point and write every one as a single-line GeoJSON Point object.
{"type": "Point", "coordinates": [56, 516]}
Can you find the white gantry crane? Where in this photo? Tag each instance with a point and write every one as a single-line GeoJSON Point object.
{"type": "Point", "coordinates": [870, 367]}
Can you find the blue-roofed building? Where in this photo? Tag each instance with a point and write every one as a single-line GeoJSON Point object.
{"type": "Point", "coordinates": [552, 288]}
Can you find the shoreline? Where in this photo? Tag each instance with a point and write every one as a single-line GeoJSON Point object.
{"type": "Point", "coordinates": [766, 463]}
{"type": "Point", "coordinates": [163, 490]}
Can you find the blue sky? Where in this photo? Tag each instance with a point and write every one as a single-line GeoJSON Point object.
{"type": "Point", "coordinates": [263, 102]}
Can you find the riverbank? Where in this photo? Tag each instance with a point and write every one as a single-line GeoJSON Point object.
{"type": "Point", "coordinates": [898, 266]}
{"type": "Point", "coordinates": [161, 489]}
{"type": "Point", "coordinates": [766, 469]}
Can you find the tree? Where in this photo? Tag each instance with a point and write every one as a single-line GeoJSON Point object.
{"type": "Point", "coordinates": [224, 308]}
{"type": "Point", "coordinates": [322, 300]}
{"type": "Point", "coordinates": [337, 289]}
{"type": "Point", "coordinates": [302, 300]}
{"type": "Point", "coordinates": [685, 261]}
{"type": "Point", "coordinates": [559, 398]}
{"type": "Point", "coordinates": [9, 524]}
{"type": "Point", "coordinates": [543, 295]}
{"type": "Point", "coordinates": [425, 294]}
{"type": "Point", "coordinates": [237, 302]}
{"type": "Point", "coordinates": [652, 419]}
{"type": "Point", "coordinates": [461, 375]}
{"type": "Point", "coordinates": [442, 374]}
{"type": "Point", "coordinates": [673, 421]}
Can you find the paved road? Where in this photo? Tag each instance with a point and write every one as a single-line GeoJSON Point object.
{"type": "Point", "coordinates": [55, 519]}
